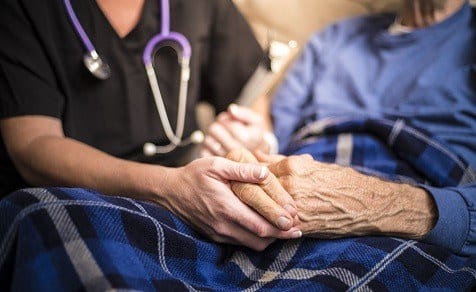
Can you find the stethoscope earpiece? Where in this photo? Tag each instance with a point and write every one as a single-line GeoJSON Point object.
{"type": "Point", "coordinates": [150, 149]}
{"type": "Point", "coordinates": [197, 137]}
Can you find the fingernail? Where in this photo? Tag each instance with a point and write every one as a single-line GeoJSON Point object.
{"type": "Point", "coordinates": [261, 173]}
{"type": "Point", "coordinates": [283, 222]}
{"type": "Point", "coordinates": [290, 209]}
{"type": "Point", "coordinates": [297, 234]}
{"type": "Point", "coordinates": [233, 108]}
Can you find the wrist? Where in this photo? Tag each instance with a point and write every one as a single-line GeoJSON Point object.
{"type": "Point", "coordinates": [416, 213]}
{"type": "Point", "coordinates": [152, 183]}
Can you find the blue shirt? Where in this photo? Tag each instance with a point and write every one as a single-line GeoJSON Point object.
{"type": "Point", "coordinates": [426, 77]}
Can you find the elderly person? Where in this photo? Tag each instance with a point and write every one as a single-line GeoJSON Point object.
{"type": "Point", "coordinates": [391, 97]}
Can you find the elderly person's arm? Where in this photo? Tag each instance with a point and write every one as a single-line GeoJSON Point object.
{"type": "Point", "coordinates": [334, 201]}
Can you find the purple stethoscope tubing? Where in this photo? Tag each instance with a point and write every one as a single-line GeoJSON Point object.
{"type": "Point", "coordinates": [100, 69]}
{"type": "Point", "coordinates": [165, 35]}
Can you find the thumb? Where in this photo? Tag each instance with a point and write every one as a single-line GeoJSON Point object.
{"type": "Point", "coordinates": [242, 172]}
{"type": "Point", "coordinates": [244, 114]}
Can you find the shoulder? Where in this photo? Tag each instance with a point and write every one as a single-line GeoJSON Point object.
{"type": "Point", "coordinates": [352, 29]}
{"type": "Point", "coordinates": [35, 13]}
{"type": "Point", "coordinates": [29, 6]}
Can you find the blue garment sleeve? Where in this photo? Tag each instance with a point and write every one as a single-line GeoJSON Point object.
{"type": "Point", "coordinates": [455, 228]}
{"type": "Point", "coordinates": [295, 93]}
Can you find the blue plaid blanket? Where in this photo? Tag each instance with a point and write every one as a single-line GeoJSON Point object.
{"type": "Point", "coordinates": [75, 239]}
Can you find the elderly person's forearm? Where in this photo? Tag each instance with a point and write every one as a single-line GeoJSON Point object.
{"type": "Point", "coordinates": [336, 201]}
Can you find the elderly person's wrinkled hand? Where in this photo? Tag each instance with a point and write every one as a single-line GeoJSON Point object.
{"type": "Point", "coordinates": [335, 201]}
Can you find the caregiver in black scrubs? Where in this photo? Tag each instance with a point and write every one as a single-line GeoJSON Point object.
{"type": "Point", "coordinates": [61, 126]}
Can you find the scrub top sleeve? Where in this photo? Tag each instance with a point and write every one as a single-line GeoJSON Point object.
{"type": "Point", "coordinates": [234, 56]}
{"type": "Point", "coordinates": [27, 81]}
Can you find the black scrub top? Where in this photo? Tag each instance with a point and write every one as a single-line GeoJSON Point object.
{"type": "Point", "coordinates": [42, 73]}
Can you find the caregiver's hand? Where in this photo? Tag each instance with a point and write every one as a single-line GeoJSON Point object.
{"type": "Point", "coordinates": [202, 197]}
{"type": "Point", "coordinates": [336, 201]}
{"type": "Point", "coordinates": [238, 127]}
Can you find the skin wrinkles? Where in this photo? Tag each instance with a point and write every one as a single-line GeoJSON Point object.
{"type": "Point", "coordinates": [333, 201]}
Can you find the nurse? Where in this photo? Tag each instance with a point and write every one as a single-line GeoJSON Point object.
{"type": "Point", "coordinates": [63, 126]}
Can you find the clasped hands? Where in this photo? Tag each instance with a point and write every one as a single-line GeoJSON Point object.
{"type": "Point", "coordinates": [317, 199]}
{"type": "Point", "coordinates": [333, 201]}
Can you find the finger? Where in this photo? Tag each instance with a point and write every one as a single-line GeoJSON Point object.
{"type": "Point", "coordinates": [296, 165]}
{"type": "Point", "coordinates": [204, 152]}
{"type": "Point", "coordinates": [268, 198]}
{"type": "Point", "coordinates": [224, 116]}
{"type": "Point", "coordinates": [273, 188]}
{"type": "Point", "coordinates": [228, 170]}
{"type": "Point", "coordinates": [222, 136]}
{"type": "Point", "coordinates": [268, 158]}
{"type": "Point", "coordinates": [244, 114]}
{"type": "Point", "coordinates": [213, 146]}
{"type": "Point", "coordinates": [280, 168]}
{"type": "Point", "coordinates": [261, 228]}
{"type": "Point", "coordinates": [258, 225]}
{"type": "Point", "coordinates": [237, 129]}
{"type": "Point", "coordinates": [255, 197]}
{"type": "Point", "coordinates": [270, 186]}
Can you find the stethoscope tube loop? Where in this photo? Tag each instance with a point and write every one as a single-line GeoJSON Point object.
{"type": "Point", "coordinates": [101, 70]}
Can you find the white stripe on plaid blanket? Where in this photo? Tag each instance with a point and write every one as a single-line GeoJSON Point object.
{"type": "Point", "coordinates": [8, 240]}
{"type": "Point", "coordinates": [345, 145]}
{"type": "Point", "coordinates": [160, 241]}
{"type": "Point", "coordinates": [275, 270]}
{"type": "Point", "coordinates": [380, 266]}
{"type": "Point", "coordinates": [439, 263]}
{"type": "Point", "coordinates": [81, 257]}
{"type": "Point", "coordinates": [396, 130]}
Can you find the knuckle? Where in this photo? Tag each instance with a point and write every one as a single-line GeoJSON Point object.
{"type": "Point", "coordinates": [244, 172]}
{"type": "Point", "coordinates": [220, 229]}
{"type": "Point", "coordinates": [260, 230]}
{"type": "Point", "coordinates": [288, 183]}
{"type": "Point", "coordinates": [214, 129]}
{"type": "Point", "coordinates": [295, 162]}
{"type": "Point", "coordinates": [214, 163]}
{"type": "Point", "coordinates": [307, 157]}
{"type": "Point", "coordinates": [222, 116]}
{"type": "Point", "coordinates": [235, 155]}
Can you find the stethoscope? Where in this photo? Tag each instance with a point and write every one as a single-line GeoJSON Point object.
{"type": "Point", "coordinates": [165, 38]}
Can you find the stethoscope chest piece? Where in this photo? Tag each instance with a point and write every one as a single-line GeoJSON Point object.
{"type": "Point", "coordinates": [165, 38]}
{"type": "Point", "coordinates": [97, 66]}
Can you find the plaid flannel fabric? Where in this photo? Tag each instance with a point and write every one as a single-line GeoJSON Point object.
{"type": "Point", "coordinates": [73, 239]}
{"type": "Point", "coordinates": [387, 148]}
